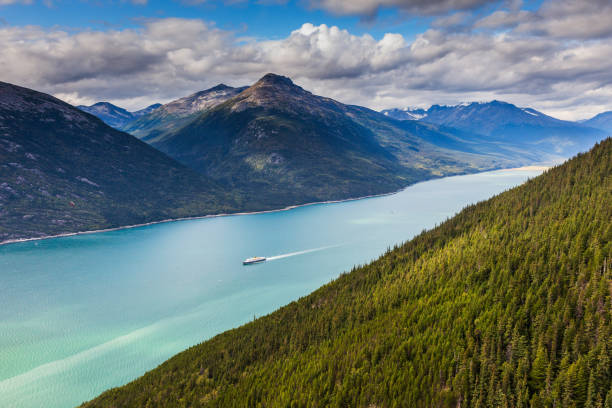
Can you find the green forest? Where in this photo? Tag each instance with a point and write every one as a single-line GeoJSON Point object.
{"type": "Point", "coordinates": [507, 304]}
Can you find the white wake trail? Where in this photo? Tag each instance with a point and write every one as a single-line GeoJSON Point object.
{"type": "Point", "coordinates": [273, 258]}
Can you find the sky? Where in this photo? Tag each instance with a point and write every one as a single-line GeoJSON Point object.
{"type": "Point", "coordinates": [552, 55]}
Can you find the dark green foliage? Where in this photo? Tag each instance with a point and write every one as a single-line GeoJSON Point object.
{"type": "Point", "coordinates": [508, 304]}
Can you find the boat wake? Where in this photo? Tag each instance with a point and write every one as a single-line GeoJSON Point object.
{"type": "Point", "coordinates": [306, 251]}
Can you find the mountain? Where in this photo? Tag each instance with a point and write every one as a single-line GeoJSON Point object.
{"type": "Point", "coordinates": [64, 170]}
{"type": "Point", "coordinates": [179, 112]}
{"type": "Point", "coordinates": [115, 116]}
{"type": "Point", "coordinates": [538, 135]}
{"type": "Point", "coordinates": [507, 304]}
{"type": "Point", "coordinates": [601, 121]}
{"type": "Point", "coordinates": [281, 145]}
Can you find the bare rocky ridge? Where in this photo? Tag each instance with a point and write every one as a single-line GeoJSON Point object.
{"type": "Point", "coordinates": [200, 101]}
{"type": "Point", "coordinates": [179, 112]}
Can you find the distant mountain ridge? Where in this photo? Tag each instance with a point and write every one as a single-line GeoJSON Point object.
{"type": "Point", "coordinates": [601, 121]}
{"type": "Point", "coordinates": [179, 112]}
{"type": "Point", "coordinates": [115, 116]}
{"type": "Point", "coordinates": [526, 129]}
{"type": "Point", "coordinates": [64, 170]}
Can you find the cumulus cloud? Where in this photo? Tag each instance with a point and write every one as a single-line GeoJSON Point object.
{"type": "Point", "coordinates": [324, 52]}
{"type": "Point", "coordinates": [169, 58]}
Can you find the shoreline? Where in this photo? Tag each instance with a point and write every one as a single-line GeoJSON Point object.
{"type": "Point", "coordinates": [287, 208]}
{"type": "Point", "coordinates": [200, 217]}
{"type": "Point", "coordinates": [535, 167]}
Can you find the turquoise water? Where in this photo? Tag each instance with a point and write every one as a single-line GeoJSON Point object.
{"type": "Point", "coordinates": [85, 313]}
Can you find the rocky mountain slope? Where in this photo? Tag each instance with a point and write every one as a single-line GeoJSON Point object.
{"type": "Point", "coordinates": [177, 113]}
{"type": "Point", "coordinates": [115, 116]}
{"type": "Point", "coordinates": [538, 136]}
{"type": "Point", "coordinates": [507, 304]}
{"type": "Point", "coordinates": [63, 170]}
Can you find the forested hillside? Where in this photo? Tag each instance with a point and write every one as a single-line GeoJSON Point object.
{"type": "Point", "coordinates": [508, 304]}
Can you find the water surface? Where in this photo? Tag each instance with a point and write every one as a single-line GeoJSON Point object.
{"type": "Point", "coordinates": [81, 314]}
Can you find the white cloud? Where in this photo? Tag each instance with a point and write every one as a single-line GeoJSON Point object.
{"type": "Point", "coordinates": [169, 58]}
{"type": "Point", "coordinates": [324, 52]}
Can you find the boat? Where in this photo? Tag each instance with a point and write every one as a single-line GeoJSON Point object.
{"type": "Point", "coordinates": [255, 259]}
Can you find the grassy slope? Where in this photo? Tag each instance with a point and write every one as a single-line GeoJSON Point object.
{"type": "Point", "coordinates": [507, 304]}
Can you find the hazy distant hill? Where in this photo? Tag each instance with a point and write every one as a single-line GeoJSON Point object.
{"type": "Point", "coordinates": [601, 121]}
{"type": "Point", "coordinates": [526, 129]}
{"type": "Point", "coordinates": [64, 170]}
{"type": "Point", "coordinates": [282, 144]}
{"type": "Point", "coordinates": [115, 116]}
{"type": "Point", "coordinates": [179, 112]}
{"type": "Point", "coordinates": [507, 304]}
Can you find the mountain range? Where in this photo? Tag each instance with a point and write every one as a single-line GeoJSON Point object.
{"type": "Point", "coordinates": [534, 134]}
{"type": "Point", "coordinates": [279, 142]}
{"type": "Point", "coordinates": [64, 170]}
{"type": "Point", "coordinates": [507, 304]}
{"type": "Point", "coordinates": [114, 115]}
{"type": "Point", "coordinates": [510, 131]}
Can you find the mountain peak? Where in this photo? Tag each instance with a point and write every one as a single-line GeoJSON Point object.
{"type": "Point", "coordinates": [220, 87]}
{"type": "Point", "coordinates": [103, 104]}
{"type": "Point", "coordinates": [274, 79]}
{"type": "Point", "coordinates": [279, 92]}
